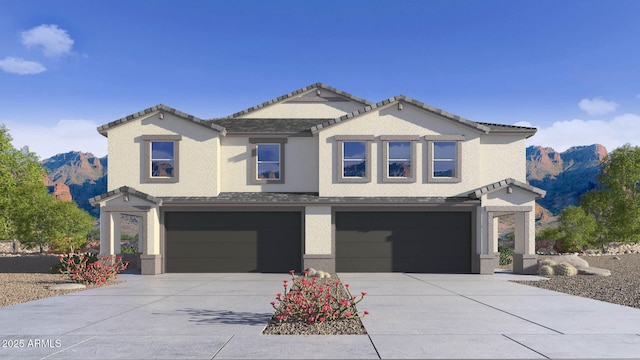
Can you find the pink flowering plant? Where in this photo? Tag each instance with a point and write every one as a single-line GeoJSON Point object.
{"type": "Point", "coordinates": [308, 300]}
{"type": "Point", "coordinates": [85, 268]}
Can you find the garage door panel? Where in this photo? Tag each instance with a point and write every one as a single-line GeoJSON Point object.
{"type": "Point", "coordinates": [233, 241]}
{"type": "Point", "coordinates": [403, 241]}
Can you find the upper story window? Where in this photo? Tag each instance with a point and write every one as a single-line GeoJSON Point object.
{"type": "Point", "coordinates": [161, 158]}
{"type": "Point", "coordinates": [267, 161]}
{"type": "Point", "coordinates": [398, 154]}
{"type": "Point", "coordinates": [444, 162]}
{"type": "Point", "coordinates": [354, 158]}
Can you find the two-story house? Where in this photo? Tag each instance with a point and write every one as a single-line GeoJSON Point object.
{"type": "Point", "coordinates": [318, 178]}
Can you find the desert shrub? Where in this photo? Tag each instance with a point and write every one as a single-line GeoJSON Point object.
{"type": "Point", "coordinates": [65, 259]}
{"type": "Point", "coordinates": [309, 301]}
{"type": "Point", "coordinates": [506, 255]}
{"type": "Point", "coordinates": [91, 272]}
{"type": "Point", "coordinates": [128, 249]}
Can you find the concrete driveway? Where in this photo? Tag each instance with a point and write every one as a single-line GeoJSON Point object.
{"type": "Point", "coordinates": [221, 316]}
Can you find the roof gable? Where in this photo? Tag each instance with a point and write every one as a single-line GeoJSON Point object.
{"type": "Point", "coordinates": [401, 101]}
{"type": "Point", "coordinates": [302, 95]}
{"type": "Point", "coordinates": [503, 184]}
{"type": "Point", "coordinates": [122, 191]}
{"type": "Point", "coordinates": [159, 109]}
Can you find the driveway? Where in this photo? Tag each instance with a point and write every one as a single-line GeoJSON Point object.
{"type": "Point", "coordinates": [221, 316]}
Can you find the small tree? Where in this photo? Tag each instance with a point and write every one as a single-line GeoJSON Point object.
{"type": "Point", "coordinates": [578, 228]}
{"type": "Point", "coordinates": [72, 226]}
{"type": "Point", "coordinates": [616, 202]}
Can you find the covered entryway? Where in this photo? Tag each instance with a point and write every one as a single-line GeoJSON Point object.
{"type": "Point", "coordinates": [427, 242]}
{"type": "Point", "coordinates": [233, 241]}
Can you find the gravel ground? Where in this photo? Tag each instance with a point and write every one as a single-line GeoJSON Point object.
{"type": "Point", "coordinates": [622, 287]}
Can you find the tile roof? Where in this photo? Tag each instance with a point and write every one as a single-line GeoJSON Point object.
{"type": "Point", "coordinates": [478, 193]}
{"type": "Point", "coordinates": [95, 201]}
{"type": "Point", "coordinates": [501, 128]}
{"type": "Point", "coordinates": [160, 107]}
{"type": "Point", "coordinates": [299, 92]}
{"type": "Point", "coordinates": [307, 198]}
{"type": "Point", "coordinates": [244, 125]}
{"type": "Point", "coordinates": [404, 99]}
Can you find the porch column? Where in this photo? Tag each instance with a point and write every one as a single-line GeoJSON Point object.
{"type": "Point", "coordinates": [116, 218]}
{"type": "Point", "coordinates": [489, 257]}
{"type": "Point", "coordinates": [525, 260]}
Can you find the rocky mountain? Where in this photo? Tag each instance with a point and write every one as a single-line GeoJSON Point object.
{"type": "Point", "coordinates": [77, 176]}
{"type": "Point", "coordinates": [566, 175]}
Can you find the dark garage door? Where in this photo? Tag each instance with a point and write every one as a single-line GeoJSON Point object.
{"type": "Point", "coordinates": [233, 241]}
{"type": "Point", "coordinates": [430, 242]}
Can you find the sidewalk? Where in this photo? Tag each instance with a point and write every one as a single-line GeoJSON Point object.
{"type": "Point", "coordinates": [204, 316]}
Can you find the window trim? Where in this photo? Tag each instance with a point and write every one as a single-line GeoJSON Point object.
{"type": "Point", "coordinates": [253, 175]}
{"type": "Point", "coordinates": [412, 140]}
{"type": "Point", "coordinates": [340, 140]}
{"type": "Point", "coordinates": [458, 139]}
{"type": "Point", "coordinates": [146, 144]}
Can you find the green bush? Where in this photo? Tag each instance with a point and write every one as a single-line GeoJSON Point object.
{"type": "Point", "coordinates": [128, 249]}
{"type": "Point", "coordinates": [506, 255]}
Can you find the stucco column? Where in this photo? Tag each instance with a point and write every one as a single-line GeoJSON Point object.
{"type": "Point", "coordinates": [525, 260]}
{"type": "Point", "coordinates": [318, 244]}
{"type": "Point", "coordinates": [106, 231]}
{"type": "Point", "coordinates": [116, 219]}
{"type": "Point", "coordinates": [150, 259]}
{"type": "Point", "coordinates": [488, 257]}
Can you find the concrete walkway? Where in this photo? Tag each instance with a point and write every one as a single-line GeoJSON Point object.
{"type": "Point", "coordinates": [221, 316]}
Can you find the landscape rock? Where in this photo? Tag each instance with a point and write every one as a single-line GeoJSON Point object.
{"type": "Point", "coordinates": [546, 251]}
{"type": "Point", "coordinates": [68, 286]}
{"type": "Point", "coordinates": [572, 259]}
{"type": "Point", "coordinates": [594, 271]}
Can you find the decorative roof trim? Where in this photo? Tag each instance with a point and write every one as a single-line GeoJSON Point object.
{"type": "Point", "coordinates": [407, 100]}
{"type": "Point", "coordinates": [292, 94]}
{"type": "Point", "coordinates": [95, 201]}
{"type": "Point", "coordinates": [510, 129]}
{"type": "Point", "coordinates": [160, 108]}
{"type": "Point", "coordinates": [503, 184]}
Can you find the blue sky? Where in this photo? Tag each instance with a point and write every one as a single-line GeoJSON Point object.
{"type": "Point", "coordinates": [570, 68]}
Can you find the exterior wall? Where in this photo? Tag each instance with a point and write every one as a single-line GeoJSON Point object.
{"type": "Point", "coordinates": [300, 170]}
{"type": "Point", "coordinates": [317, 230]}
{"type": "Point", "coordinates": [198, 155]}
{"type": "Point", "coordinates": [306, 110]}
{"type": "Point", "coordinates": [409, 121]}
{"type": "Point", "coordinates": [503, 156]}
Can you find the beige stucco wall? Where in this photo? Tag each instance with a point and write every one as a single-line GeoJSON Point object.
{"type": "Point", "coordinates": [391, 121]}
{"type": "Point", "coordinates": [300, 166]}
{"type": "Point", "coordinates": [198, 156]}
{"type": "Point", "coordinates": [504, 157]}
{"type": "Point", "coordinates": [317, 232]}
{"type": "Point", "coordinates": [293, 109]}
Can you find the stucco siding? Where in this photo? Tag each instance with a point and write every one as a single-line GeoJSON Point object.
{"type": "Point", "coordinates": [503, 156]}
{"type": "Point", "coordinates": [198, 152]}
{"type": "Point", "coordinates": [300, 166]}
{"type": "Point", "coordinates": [391, 121]}
{"type": "Point", "coordinates": [317, 220]}
{"type": "Point", "coordinates": [297, 110]}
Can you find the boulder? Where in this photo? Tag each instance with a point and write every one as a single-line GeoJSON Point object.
{"type": "Point", "coordinates": [572, 259]}
{"type": "Point", "coordinates": [594, 271]}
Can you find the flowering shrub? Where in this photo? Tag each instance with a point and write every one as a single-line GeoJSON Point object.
{"type": "Point", "coordinates": [83, 268]}
{"type": "Point", "coordinates": [310, 301]}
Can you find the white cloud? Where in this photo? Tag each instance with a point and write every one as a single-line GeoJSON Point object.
{"type": "Point", "coordinates": [65, 136]}
{"type": "Point", "coordinates": [597, 106]}
{"type": "Point", "coordinates": [611, 133]}
{"type": "Point", "coordinates": [20, 66]}
{"type": "Point", "coordinates": [53, 40]}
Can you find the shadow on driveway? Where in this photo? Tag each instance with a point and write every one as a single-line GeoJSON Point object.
{"type": "Point", "coordinates": [227, 317]}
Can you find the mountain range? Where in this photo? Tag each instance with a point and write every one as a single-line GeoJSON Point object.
{"type": "Point", "coordinates": [566, 175]}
